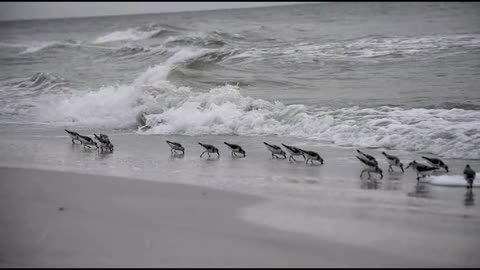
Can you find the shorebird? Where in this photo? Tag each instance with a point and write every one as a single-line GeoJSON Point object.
{"type": "Point", "coordinates": [276, 150]}
{"type": "Point", "coordinates": [437, 163]}
{"type": "Point", "coordinates": [73, 135]}
{"type": "Point", "coordinates": [310, 155]}
{"type": "Point", "coordinates": [369, 157]}
{"type": "Point", "coordinates": [175, 146]}
{"type": "Point", "coordinates": [87, 141]}
{"type": "Point", "coordinates": [294, 151]}
{"type": "Point", "coordinates": [235, 149]}
{"type": "Point", "coordinates": [209, 149]}
{"type": "Point", "coordinates": [370, 166]}
{"type": "Point", "coordinates": [422, 169]}
{"type": "Point", "coordinates": [393, 161]}
{"type": "Point", "coordinates": [104, 142]}
{"type": "Point", "coordinates": [469, 174]}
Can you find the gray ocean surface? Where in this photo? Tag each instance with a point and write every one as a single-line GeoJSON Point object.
{"type": "Point", "coordinates": [398, 76]}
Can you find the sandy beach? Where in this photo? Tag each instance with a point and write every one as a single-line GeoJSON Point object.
{"type": "Point", "coordinates": [140, 206]}
{"type": "Point", "coordinates": [58, 219]}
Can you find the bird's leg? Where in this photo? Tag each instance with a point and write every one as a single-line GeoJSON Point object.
{"type": "Point", "coordinates": [203, 153]}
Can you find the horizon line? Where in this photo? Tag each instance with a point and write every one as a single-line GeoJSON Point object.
{"type": "Point", "coordinates": [153, 13]}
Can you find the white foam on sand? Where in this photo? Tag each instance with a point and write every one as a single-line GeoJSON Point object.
{"type": "Point", "coordinates": [451, 181]}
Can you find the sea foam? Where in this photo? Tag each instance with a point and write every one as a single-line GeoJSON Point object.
{"type": "Point", "coordinates": [160, 107]}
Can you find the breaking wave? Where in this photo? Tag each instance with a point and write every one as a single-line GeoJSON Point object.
{"type": "Point", "coordinates": [157, 106]}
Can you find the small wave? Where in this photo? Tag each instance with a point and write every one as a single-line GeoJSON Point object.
{"type": "Point", "coordinates": [369, 47]}
{"type": "Point", "coordinates": [40, 46]}
{"type": "Point", "coordinates": [39, 81]}
{"type": "Point", "coordinates": [197, 40]}
{"type": "Point", "coordinates": [134, 34]}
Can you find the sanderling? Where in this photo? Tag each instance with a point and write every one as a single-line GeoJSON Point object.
{"type": "Point", "coordinates": [209, 149]}
{"type": "Point", "coordinates": [437, 163]}
{"type": "Point", "coordinates": [87, 141]}
{"type": "Point", "coordinates": [369, 157]}
{"type": "Point", "coordinates": [73, 135]}
{"type": "Point", "coordinates": [310, 155]}
{"type": "Point", "coordinates": [393, 161]}
{"type": "Point", "coordinates": [294, 151]}
{"type": "Point", "coordinates": [104, 142]}
{"type": "Point", "coordinates": [422, 169]}
{"type": "Point", "coordinates": [175, 146]}
{"type": "Point", "coordinates": [276, 150]}
{"type": "Point", "coordinates": [235, 149]}
{"type": "Point", "coordinates": [370, 166]}
{"type": "Point", "coordinates": [469, 176]}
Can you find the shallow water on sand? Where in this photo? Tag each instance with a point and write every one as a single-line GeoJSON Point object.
{"type": "Point", "coordinates": [395, 213]}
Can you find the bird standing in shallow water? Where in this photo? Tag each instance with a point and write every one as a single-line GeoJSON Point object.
{"type": "Point", "coordinates": [311, 155]}
{"type": "Point", "coordinates": [104, 142]}
{"type": "Point", "coordinates": [294, 151]}
{"type": "Point", "coordinates": [175, 146]}
{"type": "Point", "coordinates": [87, 141]}
{"type": "Point", "coordinates": [437, 163]}
{"type": "Point", "coordinates": [393, 161]}
{"type": "Point", "coordinates": [422, 170]}
{"type": "Point", "coordinates": [74, 136]}
{"type": "Point", "coordinates": [369, 157]}
{"type": "Point", "coordinates": [276, 150]}
{"type": "Point", "coordinates": [469, 174]}
{"type": "Point", "coordinates": [235, 149]}
{"type": "Point", "coordinates": [370, 166]}
{"type": "Point", "coordinates": [209, 149]}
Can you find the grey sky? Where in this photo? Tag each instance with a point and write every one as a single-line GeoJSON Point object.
{"type": "Point", "coordinates": [42, 10]}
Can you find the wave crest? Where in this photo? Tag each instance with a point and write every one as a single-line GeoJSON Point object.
{"type": "Point", "coordinates": [167, 109]}
{"type": "Point", "coordinates": [138, 33]}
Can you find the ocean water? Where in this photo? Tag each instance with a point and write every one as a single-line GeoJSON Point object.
{"type": "Point", "coordinates": [392, 75]}
{"type": "Point", "coordinates": [329, 77]}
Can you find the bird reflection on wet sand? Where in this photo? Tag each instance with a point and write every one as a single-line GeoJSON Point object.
{"type": "Point", "coordinates": [421, 191]}
{"type": "Point", "coordinates": [469, 198]}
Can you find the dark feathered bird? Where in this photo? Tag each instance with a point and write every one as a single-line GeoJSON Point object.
{"type": "Point", "coordinates": [209, 149]}
{"type": "Point", "coordinates": [469, 174]}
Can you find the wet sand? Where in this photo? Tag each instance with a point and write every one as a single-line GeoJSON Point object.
{"type": "Point", "coordinates": [61, 219]}
{"type": "Point", "coordinates": [312, 215]}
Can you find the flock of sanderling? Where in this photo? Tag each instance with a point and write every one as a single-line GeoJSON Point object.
{"type": "Point", "coordinates": [369, 162]}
